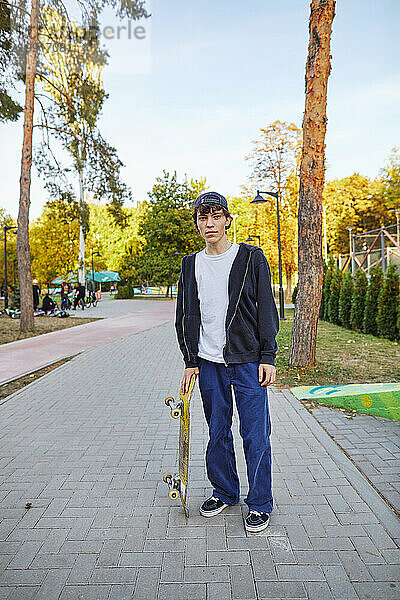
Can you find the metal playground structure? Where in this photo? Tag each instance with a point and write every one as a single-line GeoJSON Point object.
{"type": "Point", "coordinates": [377, 247]}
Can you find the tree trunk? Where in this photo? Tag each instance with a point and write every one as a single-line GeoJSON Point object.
{"type": "Point", "coordinates": [304, 333]}
{"type": "Point", "coordinates": [23, 250]}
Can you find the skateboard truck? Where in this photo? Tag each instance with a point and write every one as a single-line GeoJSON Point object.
{"type": "Point", "coordinates": [174, 484]}
{"type": "Point", "coordinates": [176, 411]}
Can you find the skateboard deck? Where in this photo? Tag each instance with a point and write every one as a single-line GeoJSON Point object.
{"type": "Point", "coordinates": [181, 410]}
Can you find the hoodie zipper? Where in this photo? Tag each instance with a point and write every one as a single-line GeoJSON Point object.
{"type": "Point", "coordinates": [236, 307]}
{"type": "Point", "coordinates": [183, 314]}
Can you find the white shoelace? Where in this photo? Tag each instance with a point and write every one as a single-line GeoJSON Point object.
{"type": "Point", "coordinates": [255, 512]}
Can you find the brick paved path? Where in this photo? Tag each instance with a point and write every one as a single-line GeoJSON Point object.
{"type": "Point", "coordinates": [27, 355]}
{"type": "Point", "coordinates": [107, 308]}
{"type": "Point", "coordinates": [372, 443]}
{"type": "Point", "coordinates": [87, 445]}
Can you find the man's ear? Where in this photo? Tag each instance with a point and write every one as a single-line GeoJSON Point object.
{"type": "Point", "coordinates": [228, 223]}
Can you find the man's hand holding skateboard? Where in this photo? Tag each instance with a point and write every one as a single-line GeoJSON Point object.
{"type": "Point", "coordinates": [266, 374]}
{"type": "Point", "coordinates": [187, 375]}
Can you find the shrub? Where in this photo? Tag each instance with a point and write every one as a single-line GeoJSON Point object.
{"type": "Point", "coordinates": [125, 292]}
{"type": "Point", "coordinates": [398, 315]}
{"type": "Point", "coordinates": [333, 304]}
{"type": "Point", "coordinates": [321, 307]}
{"type": "Point", "coordinates": [326, 289]}
{"type": "Point", "coordinates": [371, 301]}
{"type": "Point", "coordinates": [16, 298]}
{"type": "Point", "coordinates": [388, 305]}
{"type": "Point", "coordinates": [346, 293]}
{"type": "Point", "coordinates": [358, 300]}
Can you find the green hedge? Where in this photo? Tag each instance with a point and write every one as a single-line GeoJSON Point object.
{"type": "Point", "coordinates": [372, 306]}
{"type": "Point", "coordinates": [388, 300]}
{"type": "Point", "coordinates": [346, 294]}
{"type": "Point", "coordinates": [125, 292]}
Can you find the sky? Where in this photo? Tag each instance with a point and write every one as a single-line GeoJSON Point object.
{"type": "Point", "coordinates": [191, 91]}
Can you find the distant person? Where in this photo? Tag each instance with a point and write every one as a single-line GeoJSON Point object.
{"type": "Point", "coordinates": [65, 301]}
{"type": "Point", "coordinates": [48, 303]}
{"type": "Point", "coordinates": [36, 292]}
{"type": "Point", "coordinates": [79, 296]}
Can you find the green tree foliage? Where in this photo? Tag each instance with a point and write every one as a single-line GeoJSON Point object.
{"type": "Point", "coordinates": [15, 297]}
{"type": "Point", "coordinates": [358, 300]}
{"type": "Point", "coordinates": [11, 64]}
{"type": "Point", "coordinates": [326, 288]}
{"type": "Point", "coordinates": [371, 301]}
{"type": "Point", "coordinates": [354, 201]}
{"type": "Point", "coordinates": [54, 239]}
{"type": "Point", "coordinates": [73, 80]}
{"type": "Point", "coordinates": [7, 221]}
{"type": "Point", "coordinates": [117, 246]}
{"type": "Point", "coordinates": [398, 316]}
{"type": "Point", "coordinates": [346, 294]}
{"type": "Point", "coordinates": [274, 160]}
{"type": "Point", "coordinates": [388, 301]}
{"type": "Point", "coordinates": [333, 304]}
{"type": "Point", "coordinates": [321, 306]}
{"type": "Point", "coordinates": [167, 229]}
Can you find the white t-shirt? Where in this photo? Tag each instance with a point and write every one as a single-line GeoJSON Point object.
{"type": "Point", "coordinates": [212, 275]}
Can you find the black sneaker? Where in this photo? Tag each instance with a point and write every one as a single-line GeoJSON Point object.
{"type": "Point", "coordinates": [256, 521]}
{"type": "Point", "coordinates": [211, 507]}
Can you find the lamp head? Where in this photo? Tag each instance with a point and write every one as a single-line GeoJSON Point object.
{"type": "Point", "coordinates": [258, 199]}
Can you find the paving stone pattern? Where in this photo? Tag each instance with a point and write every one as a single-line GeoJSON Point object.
{"type": "Point", "coordinates": [372, 443]}
{"type": "Point", "coordinates": [107, 308]}
{"type": "Point", "coordinates": [87, 445]}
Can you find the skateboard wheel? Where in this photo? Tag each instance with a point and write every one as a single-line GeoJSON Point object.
{"type": "Point", "coordinates": [169, 400]}
{"type": "Point", "coordinates": [176, 413]}
{"type": "Point", "coordinates": [173, 494]}
{"type": "Point", "coordinates": [167, 477]}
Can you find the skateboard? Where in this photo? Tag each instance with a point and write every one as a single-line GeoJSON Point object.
{"type": "Point", "coordinates": [181, 410]}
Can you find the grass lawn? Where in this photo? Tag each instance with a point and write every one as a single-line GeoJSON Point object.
{"type": "Point", "coordinates": [9, 328]}
{"type": "Point", "coordinates": [343, 356]}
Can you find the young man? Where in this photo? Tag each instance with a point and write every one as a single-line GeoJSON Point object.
{"type": "Point", "coordinates": [226, 324]}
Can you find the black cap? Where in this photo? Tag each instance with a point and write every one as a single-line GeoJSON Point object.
{"type": "Point", "coordinates": [211, 198]}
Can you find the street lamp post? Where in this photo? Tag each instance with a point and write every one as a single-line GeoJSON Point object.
{"type": "Point", "coordinates": [258, 199]}
{"type": "Point", "coordinates": [6, 228]}
{"type": "Point", "coordinates": [94, 254]}
{"type": "Point", "coordinates": [351, 250]}
{"type": "Point", "coordinates": [383, 261]}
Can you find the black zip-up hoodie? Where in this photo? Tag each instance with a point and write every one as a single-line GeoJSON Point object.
{"type": "Point", "coordinates": [252, 321]}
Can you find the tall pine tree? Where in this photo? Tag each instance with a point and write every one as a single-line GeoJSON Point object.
{"type": "Point", "coordinates": [388, 301]}
{"type": "Point", "coordinates": [333, 306]}
{"type": "Point", "coordinates": [358, 301]}
{"type": "Point", "coordinates": [346, 293]}
{"type": "Point", "coordinates": [371, 301]}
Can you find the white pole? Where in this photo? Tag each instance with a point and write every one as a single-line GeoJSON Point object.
{"type": "Point", "coordinates": [234, 217]}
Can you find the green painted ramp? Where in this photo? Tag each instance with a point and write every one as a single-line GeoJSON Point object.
{"type": "Point", "coordinates": [378, 399]}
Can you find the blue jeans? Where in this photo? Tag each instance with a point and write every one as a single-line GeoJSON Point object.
{"type": "Point", "coordinates": [215, 380]}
